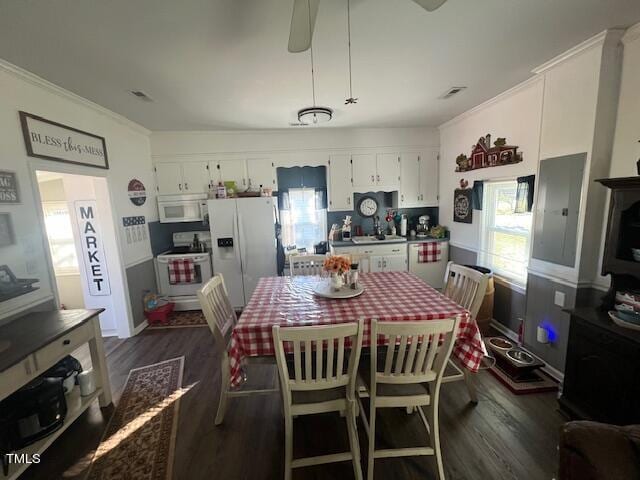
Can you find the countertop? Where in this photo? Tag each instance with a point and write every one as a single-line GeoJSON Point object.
{"type": "Point", "coordinates": [349, 243]}
{"type": "Point", "coordinates": [33, 331]}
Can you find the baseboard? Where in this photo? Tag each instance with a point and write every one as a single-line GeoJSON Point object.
{"type": "Point", "coordinates": [511, 335]}
{"type": "Point", "coordinates": [140, 327]}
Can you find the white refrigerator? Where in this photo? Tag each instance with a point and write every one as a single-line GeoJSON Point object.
{"type": "Point", "coordinates": [243, 243]}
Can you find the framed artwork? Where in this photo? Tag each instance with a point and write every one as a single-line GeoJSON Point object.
{"type": "Point", "coordinates": [6, 230]}
{"type": "Point", "coordinates": [9, 192]}
{"type": "Point", "coordinates": [462, 210]}
{"type": "Point", "coordinates": [61, 143]}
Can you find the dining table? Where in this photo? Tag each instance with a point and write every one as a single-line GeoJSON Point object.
{"type": "Point", "coordinates": [290, 301]}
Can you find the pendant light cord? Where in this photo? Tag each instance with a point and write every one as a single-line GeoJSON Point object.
{"type": "Point", "coordinates": [349, 40]}
{"type": "Point", "coordinates": [313, 81]}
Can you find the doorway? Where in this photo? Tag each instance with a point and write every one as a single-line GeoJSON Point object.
{"type": "Point", "coordinates": [83, 246]}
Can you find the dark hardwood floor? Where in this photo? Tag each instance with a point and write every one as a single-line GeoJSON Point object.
{"type": "Point", "coordinates": [503, 437]}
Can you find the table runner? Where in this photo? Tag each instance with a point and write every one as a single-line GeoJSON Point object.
{"type": "Point", "coordinates": [388, 296]}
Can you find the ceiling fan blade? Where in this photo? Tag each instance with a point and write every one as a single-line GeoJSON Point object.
{"type": "Point", "coordinates": [303, 20]}
{"type": "Point", "coordinates": [430, 5]}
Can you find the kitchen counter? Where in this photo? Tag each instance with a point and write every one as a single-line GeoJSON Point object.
{"type": "Point", "coordinates": [349, 243]}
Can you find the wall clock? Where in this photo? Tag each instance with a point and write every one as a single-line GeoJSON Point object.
{"type": "Point", "coordinates": [367, 206]}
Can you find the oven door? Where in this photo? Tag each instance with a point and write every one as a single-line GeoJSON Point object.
{"type": "Point", "coordinates": [181, 211]}
{"type": "Point", "coordinates": [202, 264]}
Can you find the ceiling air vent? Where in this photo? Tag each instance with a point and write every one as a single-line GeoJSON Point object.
{"type": "Point", "coordinates": [141, 95]}
{"type": "Point", "coordinates": [297, 124]}
{"type": "Point", "coordinates": [451, 92]}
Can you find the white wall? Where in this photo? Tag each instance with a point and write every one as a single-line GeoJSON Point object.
{"type": "Point", "coordinates": [293, 144]}
{"type": "Point", "coordinates": [129, 156]}
{"type": "Point", "coordinates": [516, 115]}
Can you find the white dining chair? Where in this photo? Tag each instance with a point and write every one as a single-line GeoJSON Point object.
{"type": "Point", "coordinates": [221, 318]}
{"type": "Point", "coordinates": [320, 382]}
{"type": "Point", "coordinates": [407, 374]}
{"type": "Point", "coordinates": [363, 260]}
{"type": "Point", "coordinates": [466, 287]}
{"type": "Point", "coordinates": [306, 264]}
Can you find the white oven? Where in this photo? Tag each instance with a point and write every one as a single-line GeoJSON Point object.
{"type": "Point", "coordinates": [184, 294]}
{"type": "Point", "coordinates": [183, 208]}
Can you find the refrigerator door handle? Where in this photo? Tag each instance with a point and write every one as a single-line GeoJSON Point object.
{"type": "Point", "coordinates": [236, 236]}
{"type": "Point", "coordinates": [242, 241]}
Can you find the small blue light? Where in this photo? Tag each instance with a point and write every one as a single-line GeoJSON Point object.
{"type": "Point", "coordinates": [551, 330]}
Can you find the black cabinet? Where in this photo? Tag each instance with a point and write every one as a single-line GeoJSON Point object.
{"type": "Point", "coordinates": [602, 373]}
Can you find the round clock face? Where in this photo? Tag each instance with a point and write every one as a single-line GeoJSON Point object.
{"type": "Point", "coordinates": [368, 207]}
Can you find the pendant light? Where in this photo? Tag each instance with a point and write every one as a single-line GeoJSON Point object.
{"type": "Point", "coordinates": [351, 100]}
{"type": "Point", "coordinates": [314, 115]}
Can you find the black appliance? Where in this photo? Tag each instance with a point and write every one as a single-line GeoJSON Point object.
{"type": "Point", "coordinates": [321, 248]}
{"type": "Point", "coordinates": [31, 413]}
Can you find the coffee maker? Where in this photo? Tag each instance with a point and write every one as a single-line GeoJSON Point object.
{"type": "Point", "coordinates": [422, 229]}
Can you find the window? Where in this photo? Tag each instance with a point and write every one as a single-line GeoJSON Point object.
{"type": "Point", "coordinates": [60, 234]}
{"type": "Point", "coordinates": [304, 221]}
{"type": "Point", "coordinates": [505, 235]}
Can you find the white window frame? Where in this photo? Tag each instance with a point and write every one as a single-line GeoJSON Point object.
{"type": "Point", "coordinates": [485, 253]}
{"type": "Point", "coordinates": [323, 220]}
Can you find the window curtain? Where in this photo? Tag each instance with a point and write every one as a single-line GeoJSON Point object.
{"type": "Point", "coordinates": [524, 194]}
{"type": "Point", "coordinates": [477, 194]}
{"type": "Point", "coordinates": [283, 200]}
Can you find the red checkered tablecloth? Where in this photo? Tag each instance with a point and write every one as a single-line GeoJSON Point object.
{"type": "Point", "coordinates": [388, 296]}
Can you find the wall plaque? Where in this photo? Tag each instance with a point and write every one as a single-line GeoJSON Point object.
{"type": "Point", "coordinates": [54, 141]}
{"type": "Point", "coordinates": [9, 192]}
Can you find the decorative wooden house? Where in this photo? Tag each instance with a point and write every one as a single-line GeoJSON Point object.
{"type": "Point", "coordinates": [483, 156]}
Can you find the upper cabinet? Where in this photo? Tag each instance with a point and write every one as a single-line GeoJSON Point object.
{"type": "Point", "coordinates": [229, 170]}
{"type": "Point", "coordinates": [182, 177]}
{"type": "Point", "coordinates": [339, 185]}
{"type": "Point", "coordinates": [418, 179]}
{"type": "Point", "coordinates": [261, 172]}
{"type": "Point", "coordinates": [364, 171]}
{"type": "Point", "coordinates": [375, 172]}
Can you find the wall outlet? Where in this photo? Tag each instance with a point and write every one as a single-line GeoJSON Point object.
{"type": "Point", "coordinates": [559, 299]}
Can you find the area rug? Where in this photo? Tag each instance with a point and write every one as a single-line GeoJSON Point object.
{"type": "Point", "coordinates": [139, 441]}
{"type": "Point", "coordinates": [189, 318]}
{"type": "Point", "coordinates": [539, 384]}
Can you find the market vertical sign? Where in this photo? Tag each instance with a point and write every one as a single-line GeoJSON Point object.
{"type": "Point", "coordinates": [61, 143]}
{"type": "Point", "coordinates": [95, 262]}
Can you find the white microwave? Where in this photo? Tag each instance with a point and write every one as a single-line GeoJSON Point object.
{"type": "Point", "coordinates": [183, 208]}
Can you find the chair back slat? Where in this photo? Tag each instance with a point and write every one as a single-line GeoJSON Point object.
{"type": "Point", "coordinates": [465, 286]}
{"type": "Point", "coordinates": [306, 264]}
{"type": "Point", "coordinates": [314, 352]}
{"type": "Point", "coordinates": [422, 350]}
{"type": "Point", "coordinates": [217, 309]}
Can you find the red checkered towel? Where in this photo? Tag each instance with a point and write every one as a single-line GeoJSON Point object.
{"type": "Point", "coordinates": [429, 252]}
{"type": "Point", "coordinates": [181, 270]}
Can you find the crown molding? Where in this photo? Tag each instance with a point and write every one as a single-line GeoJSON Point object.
{"type": "Point", "coordinates": [40, 82]}
{"type": "Point", "coordinates": [498, 98]}
{"type": "Point", "coordinates": [595, 41]}
{"type": "Point", "coordinates": [632, 34]}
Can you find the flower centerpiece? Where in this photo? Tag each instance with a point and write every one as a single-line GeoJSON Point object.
{"type": "Point", "coordinates": [337, 266]}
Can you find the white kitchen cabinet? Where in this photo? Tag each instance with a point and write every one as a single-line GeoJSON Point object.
{"type": "Point", "coordinates": [428, 190]}
{"type": "Point", "coordinates": [390, 257]}
{"type": "Point", "coordinates": [388, 170]}
{"type": "Point", "coordinates": [261, 171]}
{"type": "Point", "coordinates": [230, 170]}
{"type": "Point", "coordinates": [195, 177]}
{"type": "Point", "coordinates": [395, 263]}
{"type": "Point", "coordinates": [182, 177]}
{"type": "Point", "coordinates": [364, 171]}
{"type": "Point", "coordinates": [409, 180]}
{"type": "Point", "coordinates": [169, 178]}
{"type": "Point", "coordinates": [339, 186]}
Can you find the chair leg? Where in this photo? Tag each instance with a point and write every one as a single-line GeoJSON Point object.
{"type": "Point", "coordinates": [372, 439]}
{"type": "Point", "coordinates": [224, 389]}
{"type": "Point", "coordinates": [288, 446]}
{"type": "Point", "coordinates": [470, 380]}
{"type": "Point", "coordinates": [352, 429]}
{"type": "Point", "coordinates": [434, 434]}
